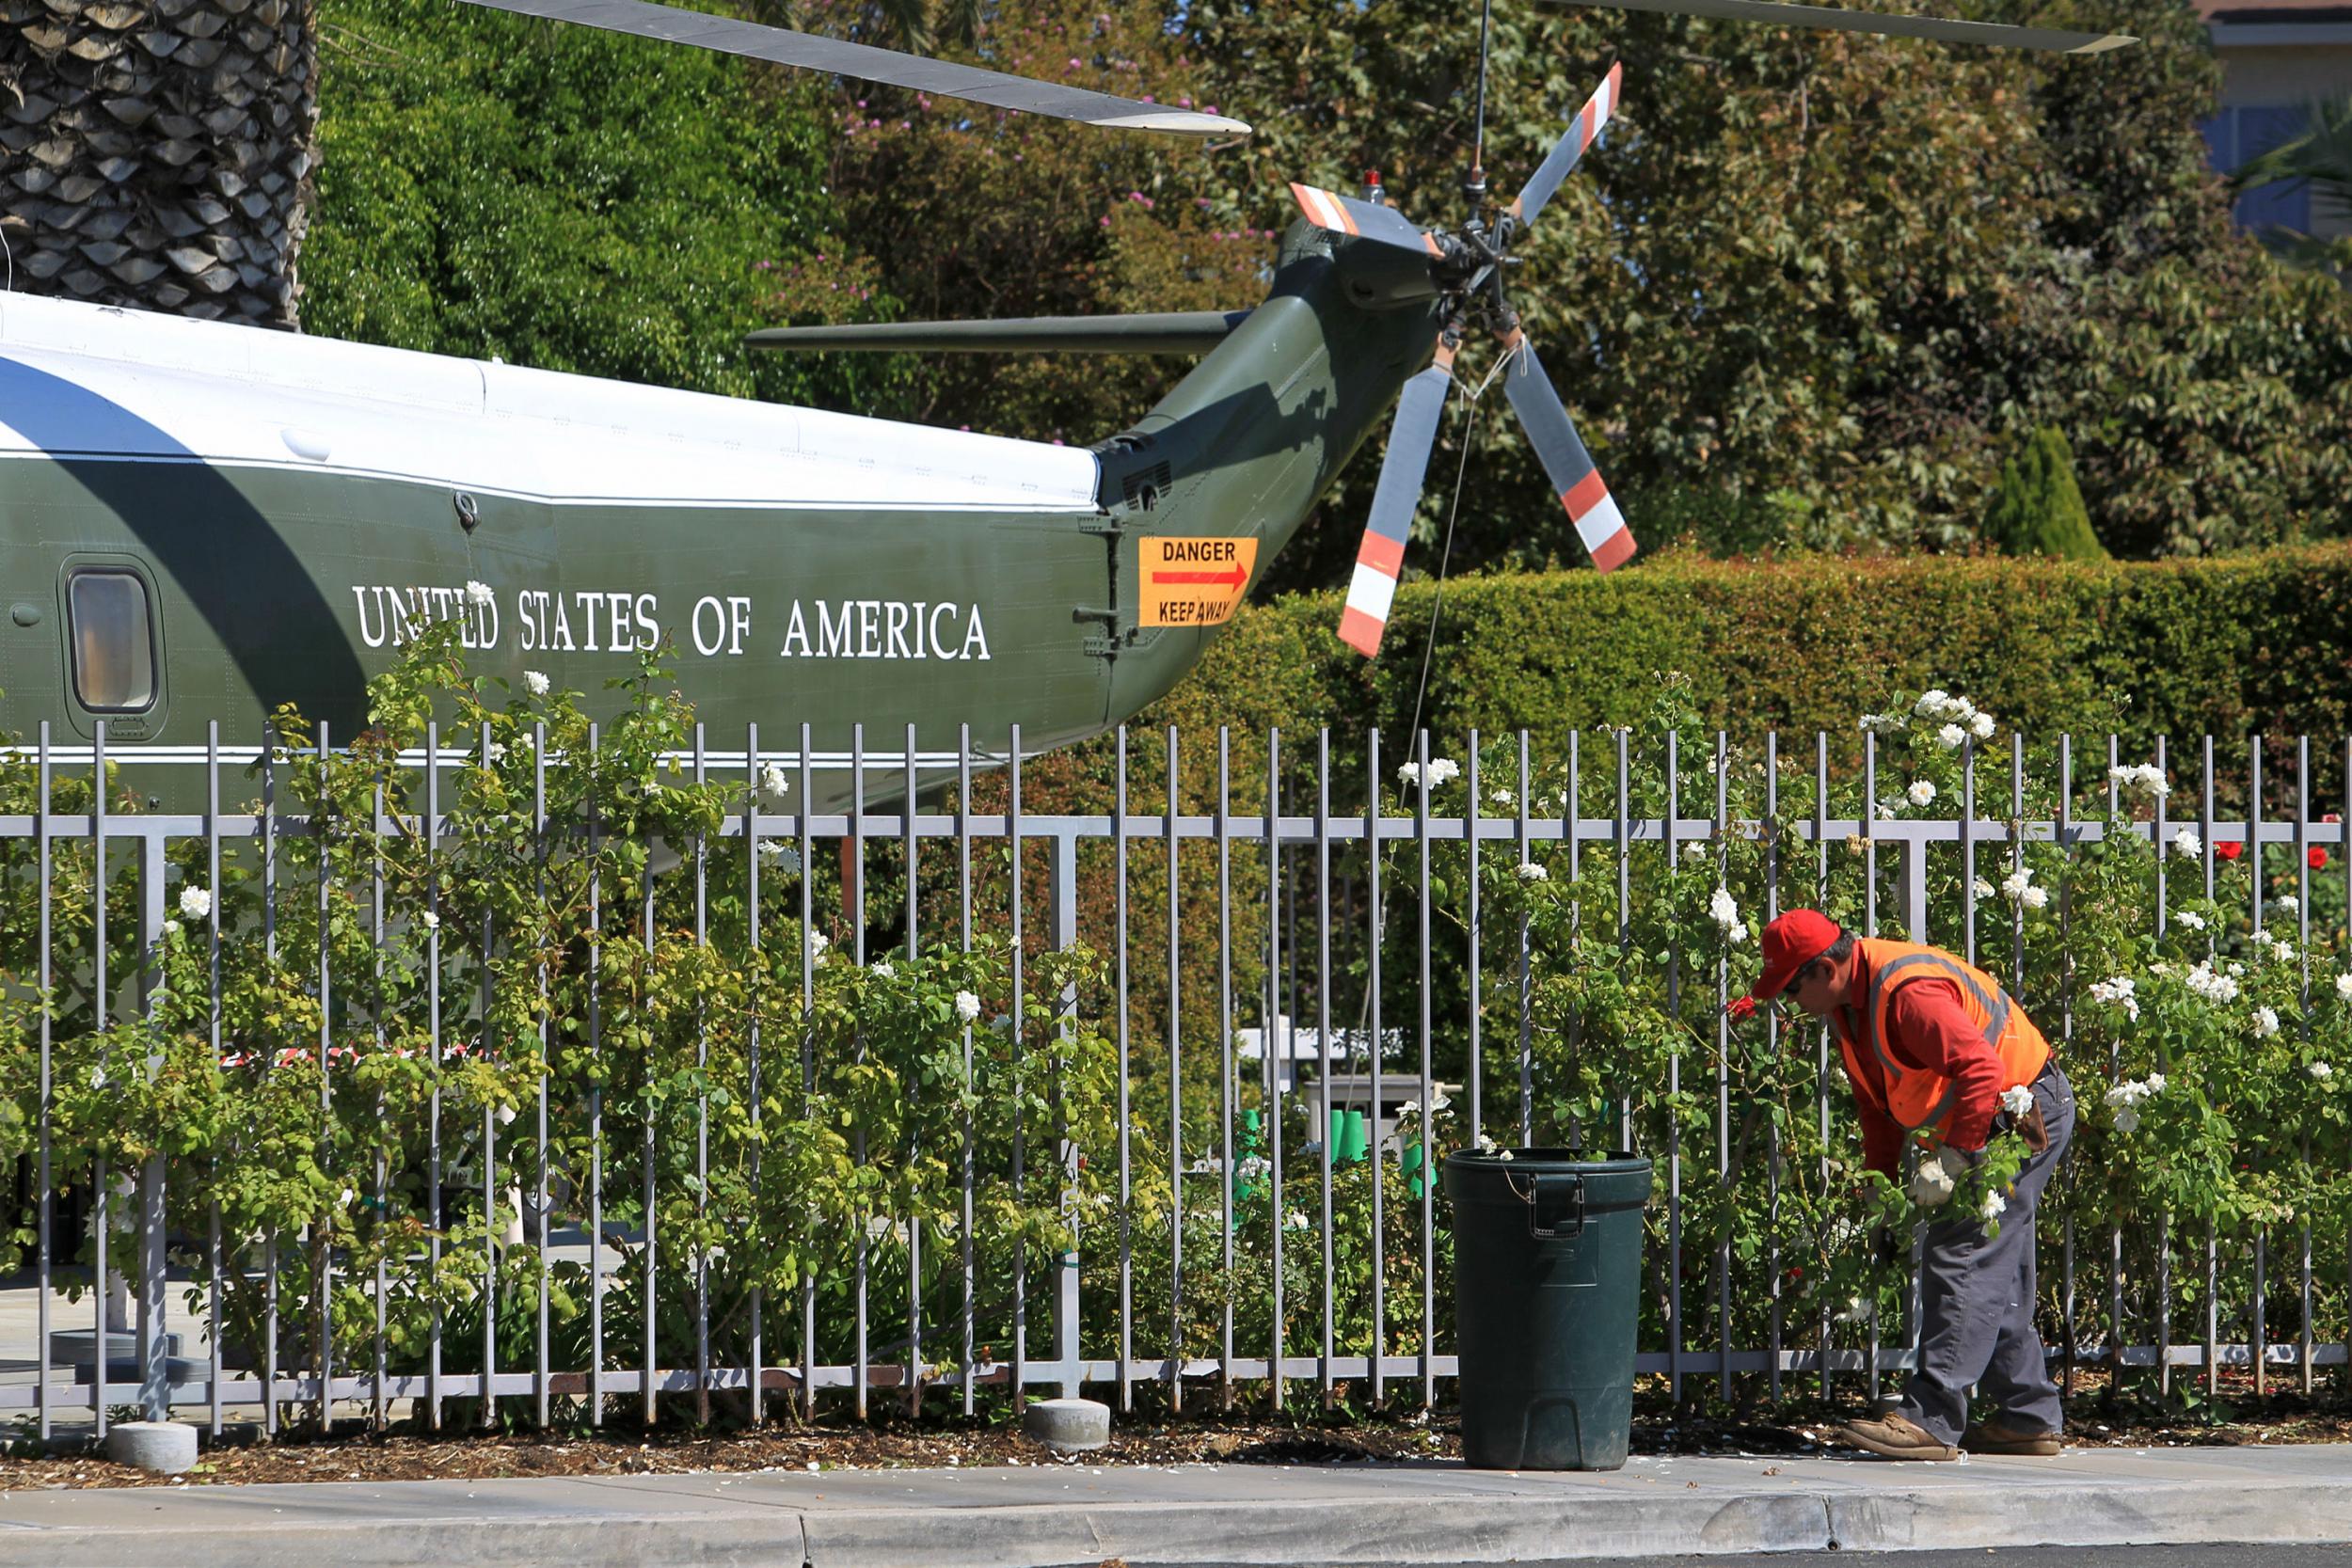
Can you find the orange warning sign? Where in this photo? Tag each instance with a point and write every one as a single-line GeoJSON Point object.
{"type": "Point", "coordinates": [1191, 582]}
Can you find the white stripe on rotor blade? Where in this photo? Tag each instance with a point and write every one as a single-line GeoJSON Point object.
{"type": "Point", "coordinates": [1324, 211]}
{"type": "Point", "coordinates": [1597, 526]}
{"type": "Point", "coordinates": [1370, 592]}
{"type": "Point", "coordinates": [1602, 107]}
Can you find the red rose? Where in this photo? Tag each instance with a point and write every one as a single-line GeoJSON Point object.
{"type": "Point", "coordinates": [2317, 859]}
{"type": "Point", "coordinates": [2229, 851]}
{"type": "Point", "coordinates": [1741, 1009]}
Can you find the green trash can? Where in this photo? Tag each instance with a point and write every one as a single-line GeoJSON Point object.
{"type": "Point", "coordinates": [1546, 1293]}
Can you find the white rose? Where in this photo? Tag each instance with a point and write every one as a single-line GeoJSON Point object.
{"type": "Point", "coordinates": [1982, 889]}
{"type": "Point", "coordinates": [1531, 872]}
{"type": "Point", "coordinates": [967, 1006]}
{"type": "Point", "coordinates": [1933, 703]}
{"type": "Point", "coordinates": [2265, 1023]}
{"type": "Point", "coordinates": [2187, 844]}
{"type": "Point", "coordinates": [1922, 791]}
{"type": "Point", "coordinates": [2343, 986]}
{"type": "Point", "coordinates": [2191, 919]}
{"type": "Point", "coordinates": [1981, 726]}
{"type": "Point", "coordinates": [2321, 1070]}
{"type": "Point", "coordinates": [1296, 1220]}
{"type": "Point", "coordinates": [2017, 1102]}
{"type": "Point", "coordinates": [2034, 897]}
{"type": "Point", "coordinates": [478, 594]}
{"type": "Point", "coordinates": [535, 682]}
{"type": "Point", "coordinates": [1931, 1184]}
{"type": "Point", "coordinates": [196, 902]}
{"type": "Point", "coordinates": [432, 921]}
{"type": "Point", "coordinates": [885, 970]}
{"type": "Point", "coordinates": [2015, 884]}
{"type": "Point", "coordinates": [773, 780]}
{"type": "Point", "coordinates": [2289, 904]}
{"type": "Point", "coordinates": [1739, 933]}
{"type": "Point", "coordinates": [2126, 1120]}
{"type": "Point", "coordinates": [1994, 1206]}
{"type": "Point", "coordinates": [817, 942]}
{"type": "Point", "coordinates": [1503, 797]}
{"type": "Point", "coordinates": [1951, 737]}
{"type": "Point", "coordinates": [2155, 1083]}
{"type": "Point", "coordinates": [1727, 914]}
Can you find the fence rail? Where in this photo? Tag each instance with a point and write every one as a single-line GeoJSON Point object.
{"type": "Point", "coordinates": [1309, 902]}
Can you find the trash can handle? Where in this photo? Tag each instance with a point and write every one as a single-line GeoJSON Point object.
{"type": "Point", "coordinates": [1558, 1185]}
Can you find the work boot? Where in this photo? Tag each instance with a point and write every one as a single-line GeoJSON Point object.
{"type": "Point", "coordinates": [1996, 1437]}
{"type": "Point", "coordinates": [1896, 1436]}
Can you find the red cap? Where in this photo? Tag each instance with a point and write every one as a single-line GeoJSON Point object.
{"type": "Point", "coordinates": [1791, 941]}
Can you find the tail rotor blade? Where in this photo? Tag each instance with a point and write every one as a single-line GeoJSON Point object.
{"type": "Point", "coordinates": [1582, 491]}
{"type": "Point", "coordinates": [1344, 214]}
{"type": "Point", "coordinates": [1381, 556]}
{"type": "Point", "coordinates": [1561, 161]}
{"type": "Point", "coordinates": [1777, 14]}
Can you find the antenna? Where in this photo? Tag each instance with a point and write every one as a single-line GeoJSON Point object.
{"type": "Point", "coordinates": [1475, 186]}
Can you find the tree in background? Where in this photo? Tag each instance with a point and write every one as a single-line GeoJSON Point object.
{"type": "Point", "coordinates": [574, 200]}
{"type": "Point", "coordinates": [2039, 508]}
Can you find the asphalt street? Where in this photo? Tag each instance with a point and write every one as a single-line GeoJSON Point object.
{"type": "Point", "coordinates": [2221, 1555]}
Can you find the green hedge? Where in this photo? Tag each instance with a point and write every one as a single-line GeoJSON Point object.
{"type": "Point", "coordinates": [2256, 643]}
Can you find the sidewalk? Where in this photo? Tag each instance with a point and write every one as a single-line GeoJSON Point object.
{"type": "Point", "coordinates": [1029, 1516]}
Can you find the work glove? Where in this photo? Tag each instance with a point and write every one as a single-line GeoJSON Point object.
{"type": "Point", "coordinates": [1931, 1184]}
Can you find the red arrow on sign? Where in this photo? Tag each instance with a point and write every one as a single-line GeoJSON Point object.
{"type": "Point", "coordinates": [1234, 578]}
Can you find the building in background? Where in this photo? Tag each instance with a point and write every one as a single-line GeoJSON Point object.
{"type": "Point", "coordinates": [2278, 56]}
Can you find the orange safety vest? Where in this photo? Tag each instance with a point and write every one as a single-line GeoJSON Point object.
{"type": "Point", "coordinates": [1915, 1097]}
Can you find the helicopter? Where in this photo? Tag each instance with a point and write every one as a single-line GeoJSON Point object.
{"type": "Point", "coordinates": [207, 521]}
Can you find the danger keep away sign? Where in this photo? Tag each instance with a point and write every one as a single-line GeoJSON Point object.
{"type": "Point", "coordinates": [1191, 582]}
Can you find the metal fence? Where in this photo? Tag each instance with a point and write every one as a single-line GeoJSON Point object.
{"type": "Point", "coordinates": [1324, 940]}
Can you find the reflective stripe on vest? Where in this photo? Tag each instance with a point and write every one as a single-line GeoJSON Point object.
{"type": "Point", "coordinates": [2000, 1016]}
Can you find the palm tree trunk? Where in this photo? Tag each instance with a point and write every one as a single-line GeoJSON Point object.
{"type": "Point", "coordinates": [158, 155]}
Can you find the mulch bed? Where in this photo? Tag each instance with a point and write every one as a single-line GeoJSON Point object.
{"type": "Point", "coordinates": [1252, 1437]}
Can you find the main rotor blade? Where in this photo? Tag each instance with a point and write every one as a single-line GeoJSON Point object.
{"type": "Point", "coordinates": [1565, 153]}
{"type": "Point", "coordinates": [1165, 332]}
{"type": "Point", "coordinates": [865, 62]}
{"type": "Point", "coordinates": [1369, 220]}
{"type": "Point", "coordinates": [1582, 491]}
{"type": "Point", "coordinates": [1380, 558]}
{"type": "Point", "coordinates": [1992, 34]}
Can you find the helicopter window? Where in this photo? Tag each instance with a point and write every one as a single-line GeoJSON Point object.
{"type": "Point", "coordinates": [114, 645]}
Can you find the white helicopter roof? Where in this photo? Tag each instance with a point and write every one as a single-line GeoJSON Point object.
{"type": "Point", "coordinates": [100, 381]}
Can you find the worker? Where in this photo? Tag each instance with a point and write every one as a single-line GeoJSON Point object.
{"type": "Point", "coordinates": [1936, 1049]}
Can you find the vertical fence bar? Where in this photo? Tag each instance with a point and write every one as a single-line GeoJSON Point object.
{"type": "Point", "coordinates": [1126, 1165]}
{"type": "Point", "coordinates": [2066, 1033]}
{"type": "Point", "coordinates": [1526, 950]}
{"type": "Point", "coordinates": [154, 1367]}
{"type": "Point", "coordinates": [45, 1239]}
{"type": "Point", "coordinates": [1820, 1066]}
{"type": "Point", "coordinates": [2258, 1334]}
{"type": "Point", "coordinates": [1674, 1095]}
{"type": "Point", "coordinates": [542, 1386]}
{"type": "Point", "coordinates": [804, 807]}
{"type": "Point", "coordinates": [432, 1024]}
{"type": "Point", "coordinates": [2212, 1249]}
{"type": "Point", "coordinates": [214, 1284]}
{"type": "Point", "coordinates": [322, 837]}
{"type": "Point", "coordinates": [1772, 1050]}
{"type": "Point", "coordinates": [1278, 1052]}
{"type": "Point", "coordinates": [968, 1166]}
{"type": "Point", "coordinates": [1020, 1132]}
{"type": "Point", "coordinates": [1323, 1045]}
{"type": "Point", "coordinates": [1175, 1092]}
{"type": "Point", "coordinates": [754, 780]}
{"type": "Point", "coordinates": [596, 1088]}
{"type": "Point", "coordinates": [269, 951]}
{"type": "Point", "coordinates": [378, 1402]}
{"type": "Point", "coordinates": [854, 870]}
{"type": "Point", "coordinates": [2304, 1344]}
{"type": "Point", "coordinates": [2117, 1337]}
{"type": "Point", "coordinates": [1624, 842]}
{"type": "Point", "coordinates": [701, 1257]}
{"type": "Point", "coordinates": [1428, 1088]}
{"type": "Point", "coordinates": [1372, 1061]}
{"type": "Point", "coordinates": [489, 1146]}
{"type": "Point", "coordinates": [1474, 963]}
{"type": "Point", "coordinates": [102, 1188]}
{"type": "Point", "coordinates": [915, 1222]}
{"type": "Point", "coordinates": [1720, 831]}
{"type": "Point", "coordinates": [1225, 1059]}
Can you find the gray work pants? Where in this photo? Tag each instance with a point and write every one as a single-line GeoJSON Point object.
{"type": "Point", "coordinates": [1977, 1299]}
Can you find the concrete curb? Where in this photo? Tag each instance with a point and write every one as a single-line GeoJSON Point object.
{"type": "Point", "coordinates": [1049, 1517]}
